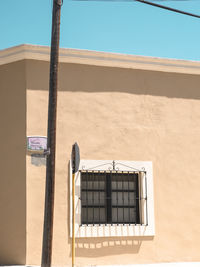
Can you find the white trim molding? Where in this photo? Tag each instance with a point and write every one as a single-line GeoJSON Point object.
{"type": "Point", "coordinates": [147, 228]}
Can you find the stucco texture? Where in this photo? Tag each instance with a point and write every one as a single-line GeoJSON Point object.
{"type": "Point", "coordinates": [122, 114]}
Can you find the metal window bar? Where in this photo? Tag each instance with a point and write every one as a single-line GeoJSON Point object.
{"type": "Point", "coordinates": [146, 198]}
{"type": "Point", "coordinates": [107, 177]}
{"type": "Point", "coordinates": [137, 197]}
{"type": "Point", "coordinates": [140, 198]}
{"type": "Point", "coordinates": [117, 198]}
{"type": "Point", "coordinates": [129, 215]}
{"type": "Point", "coordinates": [99, 199]}
{"type": "Point", "coordinates": [81, 205]}
{"type": "Point", "coordinates": [93, 198]}
{"type": "Point", "coordinates": [123, 196]}
{"type": "Point", "coordinates": [108, 197]}
{"type": "Point", "coordinates": [87, 195]}
{"type": "Point", "coordinates": [111, 221]}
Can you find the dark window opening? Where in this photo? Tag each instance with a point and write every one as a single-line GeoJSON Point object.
{"type": "Point", "coordinates": [109, 198]}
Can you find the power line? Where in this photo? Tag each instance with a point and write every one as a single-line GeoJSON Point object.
{"type": "Point", "coordinates": [152, 4]}
{"type": "Point", "coordinates": [134, 1]}
{"type": "Point", "coordinates": [168, 8]}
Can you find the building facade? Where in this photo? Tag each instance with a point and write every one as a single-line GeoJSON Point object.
{"type": "Point", "coordinates": [137, 122]}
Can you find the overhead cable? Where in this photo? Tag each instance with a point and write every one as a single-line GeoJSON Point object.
{"type": "Point", "coordinates": [168, 8]}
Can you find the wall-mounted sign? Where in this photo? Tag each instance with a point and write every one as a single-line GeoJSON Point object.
{"type": "Point", "coordinates": [36, 144]}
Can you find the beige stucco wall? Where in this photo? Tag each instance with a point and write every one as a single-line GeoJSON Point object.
{"type": "Point", "coordinates": [13, 163]}
{"type": "Point", "coordinates": [124, 114]}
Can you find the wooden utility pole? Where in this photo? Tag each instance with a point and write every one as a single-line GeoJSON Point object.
{"type": "Point", "coordinates": [51, 138]}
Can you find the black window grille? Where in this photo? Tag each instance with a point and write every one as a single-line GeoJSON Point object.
{"type": "Point", "coordinates": [110, 198]}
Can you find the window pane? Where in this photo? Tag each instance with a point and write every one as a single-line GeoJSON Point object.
{"type": "Point", "coordinates": [124, 198]}
{"type": "Point", "coordinates": [93, 181]}
{"type": "Point", "coordinates": [102, 215]}
{"type": "Point", "coordinates": [132, 181]}
{"type": "Point", "coordinates": [114, 183]}
{"type": "Point", "coordinates": [84, 215]}
{"type": "Point", "coordinates": [114, 215]}
{"type": "Point", "coordinates": [99, 182]}
{"type": "Point", "coordinates": [96, 215]}
{"type": "Point", "coordinates": [93, 198]}
{"type": "Point", "coordinates": [133, 215]}
{"type": "Point", "coordinates": [99, 198]}
{"type": "Point", "coordinates": [132, 198]}
{"type": "Point", "coordinates": [109, 198]}
{"type": "Point", "coordinates": [87, 215]}
{"type": "Point", "coordinates": [126, 184]}
{"type": "Point", "coordinates": [117, 198]}
{"type": "Point", "coordinates": [124, 181]}
{"type": "Point", "coordinates": [114, 198]}
{"type": "Point", "coordinates": [90, 215]}
{"type": "Point", "coordinates": [102, 198]}
{"type": "Point", "coordinates": [83, 183]}
{"type": "Point", "coordinates": [117, 215]}
{"type": "Point", "coordinates": [89, 198]}
{"type": "Point", "coordinates": [124, 215]}
{"type": "Point", "coordinates": [84, 198]}
{"type": "Point", "coordinates": [89, 183]}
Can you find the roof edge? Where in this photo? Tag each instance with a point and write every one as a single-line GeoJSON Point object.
{"type": "Point", "coordinates": [78, 56]}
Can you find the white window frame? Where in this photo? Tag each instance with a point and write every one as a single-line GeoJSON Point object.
{"type": "Point", "coordinates": [147, 229]}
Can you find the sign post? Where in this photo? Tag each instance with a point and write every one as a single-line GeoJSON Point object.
{"type": "Point", "coordinates": [75, 166]}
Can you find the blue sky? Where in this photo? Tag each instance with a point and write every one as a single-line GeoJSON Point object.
{"type": "Point", "coordinates": [120, 27]}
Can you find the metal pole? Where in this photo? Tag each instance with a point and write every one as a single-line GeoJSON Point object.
{"type": "Point", "coordinates": [73, 221]}
{"type": "Point", "coordinates": [75, 159]}
{"type": "Point", "coordinates": [51, 138]}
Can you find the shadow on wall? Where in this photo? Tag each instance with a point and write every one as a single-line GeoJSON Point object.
{"type": "Point", "coordinates": [38, 160]}
{"type": "Point", "coordinates": [101, 246]}
{"type": "Point", "coordinates": [86, 78]}
{"type": "Point", "coordinates": [13, 164]}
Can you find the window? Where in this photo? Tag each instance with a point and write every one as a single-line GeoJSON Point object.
{"type": "Point", "coordinates": [110, 198]}
{"type": "Point", "coordinates": [113, 198]}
